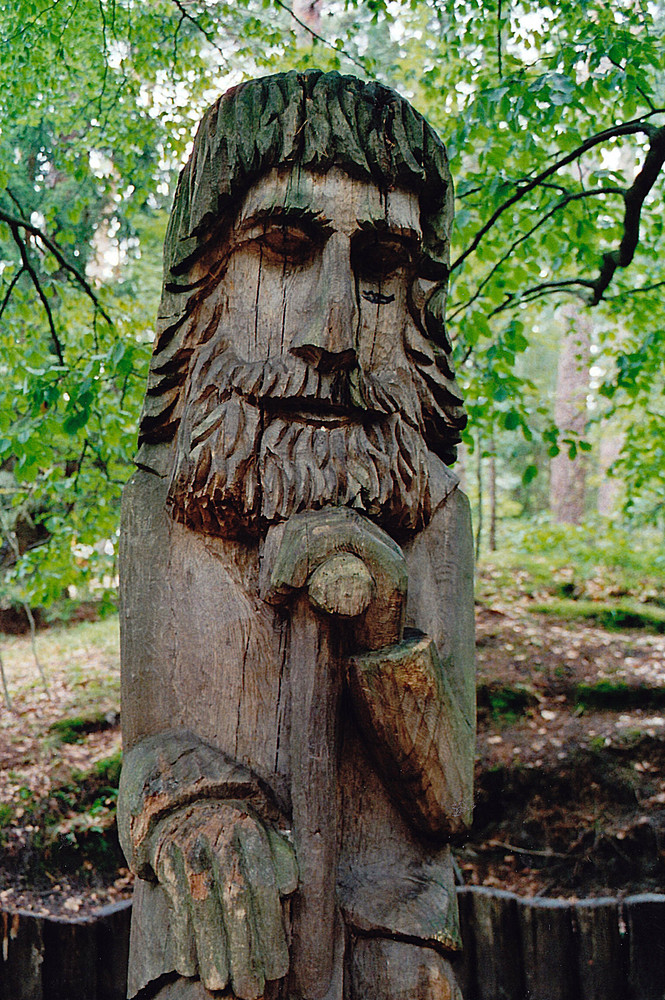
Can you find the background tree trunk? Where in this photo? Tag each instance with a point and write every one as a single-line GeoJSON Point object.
{"type": "Point", "coordinates": [609, 488]}
{"type": "Point", "coordinates": [568, 475]}
{"type": "Point", "coordinates": [491, 485]}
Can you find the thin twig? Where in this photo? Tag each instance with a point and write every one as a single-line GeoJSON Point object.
{"type": "Point", "coordinates": [525, 850]}
{"type": "Point", "coordinates": [645, 97]}
{"type": "Point", "coordinates": [592, 192]}
{"type": "Point", "coordinates": [50, 244]}
{"type": "Point", "coordinates": [544, 288]}
{"type": "Point", "coordinates": [8, 699]}
{"type": "Point", "coordinates": [33, 643]}
{"type": "Point", "coordinates": [320, 38]}
{"type": "Point", "coordinates": [40, 292]}
{"type": "Point", "coordinates": [206, 34]}
{"type": "Point", "coordinates": [629, 128]}
{"type": "Point", "coordinates": [634, 291]}
{"type": "Point", "coordinates": [10, 289]}
{"type": "Point", "coordinates": [14, 546]}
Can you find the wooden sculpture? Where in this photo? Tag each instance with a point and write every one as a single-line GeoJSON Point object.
{"type": "Point", "coordinates": [297, 612]}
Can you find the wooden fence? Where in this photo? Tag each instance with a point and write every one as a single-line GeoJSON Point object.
{"type": "Point", "coordinates": [515, 949]}
{"type": "Point", "coordinates": [551, 949]}
{"type": "Point", "coordinates": [44, 958]}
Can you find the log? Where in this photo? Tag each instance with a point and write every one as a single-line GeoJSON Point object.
{"type": "Point", "coordinates": [644, 916]}
{"type": "Point", "coordinates": [22, 956]}
{"type": "Point", "coordinates": [600, 950]}
{"type": "Point", "coordinates": [70, 960]}
{"type": "Point", "coordinates": [548, 949]}
{"type": "Point", "coordinates": [496, 930]}
{"type": "Point", "coordinates": [464, 963]}
{"type": "Point", "coordinates": [112, 943]}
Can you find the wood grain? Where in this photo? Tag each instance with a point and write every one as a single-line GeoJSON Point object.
{"type": "Point", "coordinates": [291, 514]}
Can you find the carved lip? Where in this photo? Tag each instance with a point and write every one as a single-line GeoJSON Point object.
{"type": "Point", "coordinates": [320, 412]}
{"type": "Point", "coordinates": [326, 418]}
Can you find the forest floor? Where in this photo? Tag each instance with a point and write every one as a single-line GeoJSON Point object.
{"type": "Point", "coordinates": [570, 772]}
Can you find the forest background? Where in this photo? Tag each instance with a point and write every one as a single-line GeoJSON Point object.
{"type": "Point", "coordinates": [554, 120]}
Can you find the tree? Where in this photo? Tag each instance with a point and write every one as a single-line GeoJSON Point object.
{"type": "Point", "coordinates": [99, 98]}
{"type": "Point", "coordinates": [568, 474]}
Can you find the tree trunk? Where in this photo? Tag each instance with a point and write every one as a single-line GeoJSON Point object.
{"type": "Point", "coordinates": [491, 485]}
{"type": "Point", "coordinates": [479, 475]}
{"type": "Point", "coordinates": [609, 488]}
{"type": "Point", "coordinates": [568, 475]}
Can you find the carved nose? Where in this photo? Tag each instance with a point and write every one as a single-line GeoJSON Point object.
{"type": "Point", "coordinates": [327, 339]}
{"type": "Point", "coordinates": [326, 361]}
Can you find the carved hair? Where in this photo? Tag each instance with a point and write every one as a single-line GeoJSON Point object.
{"type": "Point", "coordinates": [314, 120]}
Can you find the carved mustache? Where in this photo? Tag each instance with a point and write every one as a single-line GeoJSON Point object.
{"type": "Point", "coordinates": [286, 382]}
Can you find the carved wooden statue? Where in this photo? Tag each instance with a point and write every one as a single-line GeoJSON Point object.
{"type": "Point", "coordinates": [297, 613]}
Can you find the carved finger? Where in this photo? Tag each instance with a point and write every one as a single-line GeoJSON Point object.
{"type": "Point", "coordinates": [170, 870]}
{"type": "Point", "coordinates": [284, 860]}
{"type": "Point", "coordinates": [257, 863]}
{"type": "Point", "coordinates": [206, 914]}
{"type": "Point", "coordinates": [246, 969]}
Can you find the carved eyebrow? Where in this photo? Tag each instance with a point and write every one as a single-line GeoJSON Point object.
{"type": "Point", "coordinates": [381, 227]}
{"type": "Point", "coordinates": [314, 224]}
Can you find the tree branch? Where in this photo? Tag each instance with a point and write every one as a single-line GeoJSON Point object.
{"type": "Point", "coordinates": [592, 192]}
{"type": "Point", "coordinates": [319, 38]}
{"type": "Point", "coordinates": [10, 289]}
{"type": "Point", "coordinates": [634, 291]}
{"type": "Point", "coordinates": [16, 223]}
{"type": "Point", "coordinates": [27, 266]}
{"type": "Point", "coordinates": [638, 125]}
{"type": "Point", "coordinates": [633, 200]}
{"type": "Point", "coordinates": [206, 34]}
{"type": "Point", "coordinates": [544, 288]}
{"type": "Point", "coordinates": [643, 94]}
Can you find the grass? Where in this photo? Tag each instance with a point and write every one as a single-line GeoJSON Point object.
{"type": "Point", "coordinates": [82, 665]}
{"type": "Point", "coordinates": [617, 696]}
{"type": "Point", "coordinates": [506, 702]}
{"type": "Point", "coordinates": [60, 791]}
{"type": "Point", "coordinates": [623, 568]}
{"type": "Point", "coordinates": [612, 616]}
{"type": "Point", "coordinates": [76, 728]}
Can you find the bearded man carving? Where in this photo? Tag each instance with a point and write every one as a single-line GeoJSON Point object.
{"type": "Point", "coordinates": [297, 612]}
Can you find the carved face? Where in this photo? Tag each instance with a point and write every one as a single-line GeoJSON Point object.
{"type": "Point", "coordinates": [304, 391]}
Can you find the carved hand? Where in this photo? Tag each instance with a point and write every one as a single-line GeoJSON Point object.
{"type": "Point", "coordinates": [225, 872]}
{"type": "Point", "coordinates": [350, 567]}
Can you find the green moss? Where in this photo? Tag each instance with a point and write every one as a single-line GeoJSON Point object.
{"type": "Point", "coordinates": [610, 615]}
{"type": "Point", "coordinates": [108, 769]}
{"type": "Point", "coordinates": [73, 730]}
{"type": "Point", "coordinates": [505, 702]}
{"type": "Point", "coordinates": [617, 696]}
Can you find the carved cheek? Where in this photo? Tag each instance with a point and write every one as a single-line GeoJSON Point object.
{"type": "Point", "coordinates": [238, 293]}
{"type": "Point", "coordinates": [382, 325]}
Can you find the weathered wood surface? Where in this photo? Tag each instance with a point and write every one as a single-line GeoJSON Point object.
{"type": "Point", "coordinates": [548, 953]}
{"type": "Point", "coordinates": [45, 958]}
{"type": "Point", "coordinates": [601, 957]}
{"type": "Point", "coordinates": [491, 933]}
{"type": "Point", "coordinates": [645, 926]}
{"type": "Point", "coordinates": [291, 515]}
{"type": "Point", "coordinates": [491, 967]}
{"type": "Point", "coordinates": [22, 956]}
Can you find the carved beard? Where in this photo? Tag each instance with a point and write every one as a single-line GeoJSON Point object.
{"type": "Point", "coordinates": [261, 441]}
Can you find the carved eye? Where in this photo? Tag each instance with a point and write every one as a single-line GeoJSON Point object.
{"type": "Point", "coordinates": [289, 243]}
{"type": "Point", "coordinates": [379, 257]}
